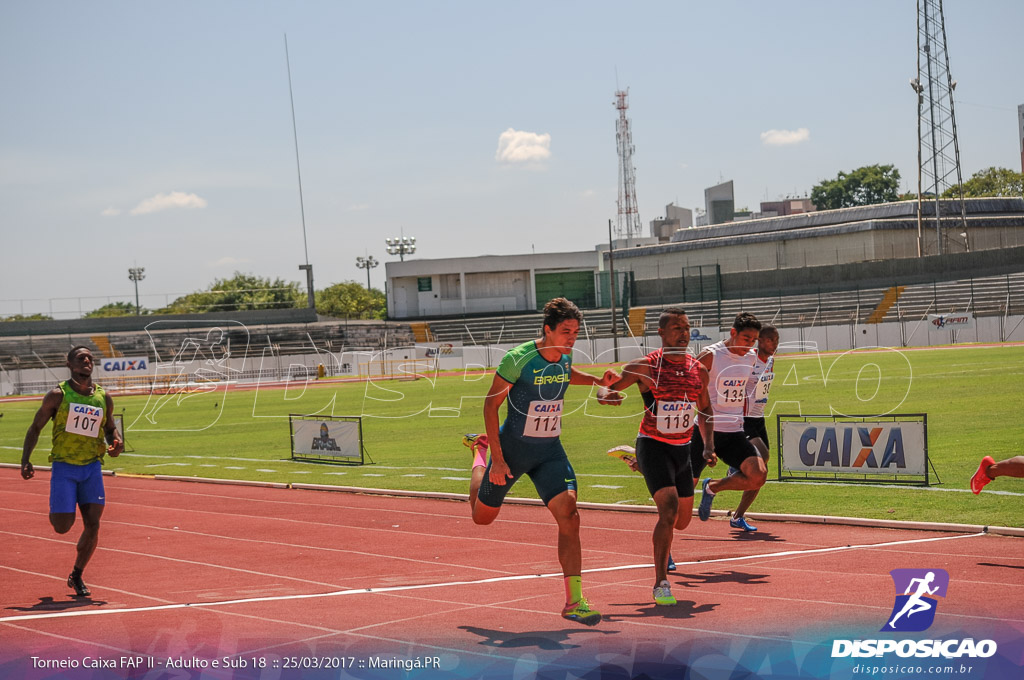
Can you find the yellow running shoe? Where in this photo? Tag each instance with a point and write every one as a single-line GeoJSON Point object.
{"type": "Point", "coordinates": [663, 594]}
{"type": "Point", "coordinates": [581, 612]}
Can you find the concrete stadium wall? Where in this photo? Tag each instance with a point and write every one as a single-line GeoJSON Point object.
{"type": "Point", "coordinates": [988, 329]}
{"type": "Point", "coordinates": [117, 324]}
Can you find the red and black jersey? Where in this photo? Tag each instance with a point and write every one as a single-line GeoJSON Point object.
{"type": "Point", "coordinates": [671, 404]}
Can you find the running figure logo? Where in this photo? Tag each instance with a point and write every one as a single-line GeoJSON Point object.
{"type": "Point", "coordinates": [914, 610]}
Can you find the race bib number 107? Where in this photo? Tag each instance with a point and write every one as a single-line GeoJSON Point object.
{"type": "Point", "coordinates": [543, 419]}
{"type": "Point", "coordinates": [84, 420]}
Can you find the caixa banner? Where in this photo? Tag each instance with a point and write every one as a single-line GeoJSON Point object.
{"type": "Point", "coordinates": [893, 447]}
{"type": "Point", "coordinates": [125, 365]}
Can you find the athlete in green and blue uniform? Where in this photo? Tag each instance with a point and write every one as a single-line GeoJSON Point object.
{"type": "Point", "coordinates": [82, 414]}
{"type": "Point", "coordinates": [533, 378]}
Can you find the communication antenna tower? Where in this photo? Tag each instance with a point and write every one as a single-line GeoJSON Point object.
{"type": "Point", "coordinates": [938, 151]}
{"type": "Point", "coordinates": [628, 223]}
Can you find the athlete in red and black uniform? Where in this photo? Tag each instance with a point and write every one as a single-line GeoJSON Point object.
{"type": "Point", "coordinates": [674, 387]}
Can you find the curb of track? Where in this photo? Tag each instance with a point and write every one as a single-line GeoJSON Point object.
{"type": "Point", "coordinates": [649, 509]}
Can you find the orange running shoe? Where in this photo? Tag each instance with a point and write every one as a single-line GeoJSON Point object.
{"type": "Point", "coordinates": [980, 479]}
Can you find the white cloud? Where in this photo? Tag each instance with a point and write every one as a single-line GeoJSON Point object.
{"type": "Point", "coordinates": [358, 207]}
{"type": "Point", "coordinates": [516, 146]}
{"type": "Point", "coordinates": [111, 212]}
{"type": "Point", "coordinates": [589, 193]}
{"type": "Point", "coordinates": [785, 137]}
{"type": "Point", "coordinates": [175, 199]}
{"type": "Point", "coordinates": [227, 260]}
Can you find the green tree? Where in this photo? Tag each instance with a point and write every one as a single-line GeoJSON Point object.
{"type": "Point", "coordinates": [990, 182]}
{"type": "Point", "coordinates": [113, 309]}
{"type": "Point", "coordinates": [864, 186]}
{"type": "Point", "coordinates": [28, 317]}
{"type": "Point", "coordinates": [351, 300]}
{"type": "Point", "coordinates": [242, 291]}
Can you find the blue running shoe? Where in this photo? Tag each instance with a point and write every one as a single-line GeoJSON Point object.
{"type": "Point", "coordinates": [732, 471]}
{"type": "Point", "coordinates": [671, 563]}
{"type": "Point", "coordinates": [706, 499]}
{"type": "Point", "coordinates": [741, 523]}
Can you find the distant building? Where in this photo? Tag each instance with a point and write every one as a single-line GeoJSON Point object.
{"type": "Point", "coordinates": [675, 218]}
{"type": "Point", "coordinates": [1020, 134]}
{"type": "Point", "coordinates": [788, 206]}
{"type": "Point", "coordinates": [719, 203]}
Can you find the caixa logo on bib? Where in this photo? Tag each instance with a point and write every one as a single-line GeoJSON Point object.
{"type": "Point", "coordinates": [914, 609]}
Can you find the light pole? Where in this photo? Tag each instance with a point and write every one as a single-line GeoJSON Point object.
{"type": "Point", "coordinates": [401, 245]}
{"type": "Point", "coordinates": [367, 263]}
{"type": "Point", "coordinates": [136, 274]}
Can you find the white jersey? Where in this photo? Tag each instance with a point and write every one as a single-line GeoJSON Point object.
{"type": "Point", "coordinates": [727, 386]}
{"type": "Point", "coordinates": [759, 385]}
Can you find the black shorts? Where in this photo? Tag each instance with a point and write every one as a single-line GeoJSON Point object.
{"type": "Point", "coordinates": [664, 465]}
{"type": "Point", "coordinates": [755, 427]}
{"type": "Point", "coordinates": [733, 448]}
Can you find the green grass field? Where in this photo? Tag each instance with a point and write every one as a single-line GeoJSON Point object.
{"type": "Point", "coordinates": [974, 398]}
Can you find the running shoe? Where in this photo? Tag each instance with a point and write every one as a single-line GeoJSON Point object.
{"type": "Point", "coordinates": [625, 453]}
{"type": "Point", "coordinates": [980, 479]}
{"type": "Point", "coordinates": [741, 523]}
{"type": "Point", "coordinates": [474, 441]}
{"type": "Point", "coordinates": [706, 499]}
{"type": "Point", "coordinates": [663, 594]}
{"type": "Point", "coordinates": [732, 471]}
{"type": "Point", "coordinates": [78, 585]}
{"type": "Point", "coordinates": [581, 612]}
{"type": "Point", "coordinates": [671, 563]}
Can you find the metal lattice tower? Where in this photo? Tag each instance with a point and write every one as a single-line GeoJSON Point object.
{"type": "Point", "coordinates": [938, 152]}
{"type": "Point", "coordinates": [628, 223]}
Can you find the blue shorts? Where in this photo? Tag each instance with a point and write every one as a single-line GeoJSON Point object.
{"type": "Point", "coordinates": [72, 485]}
{"type": "Point", "coordinates": [546, 465]}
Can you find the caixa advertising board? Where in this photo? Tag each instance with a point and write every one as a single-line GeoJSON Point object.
{"type": "Point", "coordinates": [860, 448]}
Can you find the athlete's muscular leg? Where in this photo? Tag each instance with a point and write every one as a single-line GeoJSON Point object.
{"type": "Point", "coordinates": [62, 521]}
{"type": "Point", "coordinates": [667, 500]}
{"type": "Point", "coordinates": [91, 513]}
{"type": "Point", "coordinates": [563, 509]}
{"type": "Point", "coordinates": [750, 494]}
{"type": "Point", "coordinates": [752, 475]}
{"type": "Point", "coordinates": [1011, 467]}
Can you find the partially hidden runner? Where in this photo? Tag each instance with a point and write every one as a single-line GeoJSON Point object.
{"type": "Point", "coordinates": [758, 387]}
{"type": "Point", "coordinates": [989, 469]}
{"type": "Point", "coordinates": [729, 364]}
{"type": "Point", "coordinates": [533, 378]}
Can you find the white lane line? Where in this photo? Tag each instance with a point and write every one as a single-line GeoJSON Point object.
{"type": "Point", "coordinates": [449, 584]}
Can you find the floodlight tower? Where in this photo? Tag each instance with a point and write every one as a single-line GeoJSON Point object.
{"type": "Point", "coordinates": [938, 150]}
{"type": "Point", "coordinates": [628, 223]}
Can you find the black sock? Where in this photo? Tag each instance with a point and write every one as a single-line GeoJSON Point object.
{"type": "Point", "coordinates": [76, 573]}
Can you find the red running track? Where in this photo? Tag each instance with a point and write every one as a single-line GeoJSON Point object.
{"type": "Point", "coordinates": [188, 570]}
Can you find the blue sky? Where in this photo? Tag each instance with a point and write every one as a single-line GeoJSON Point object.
{"type": "Point", "coordinates": [160, 134]}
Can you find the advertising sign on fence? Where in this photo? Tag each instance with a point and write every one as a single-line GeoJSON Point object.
{"type": "Point", "coordinates": [125, 365]}
{"type": "Point", "coordinates": [950, 322]}
{"type": "Point", "coordinates": [861, 446]}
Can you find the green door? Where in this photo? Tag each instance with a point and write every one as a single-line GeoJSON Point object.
{"type": "Point", "coordinates": [575, 286]}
